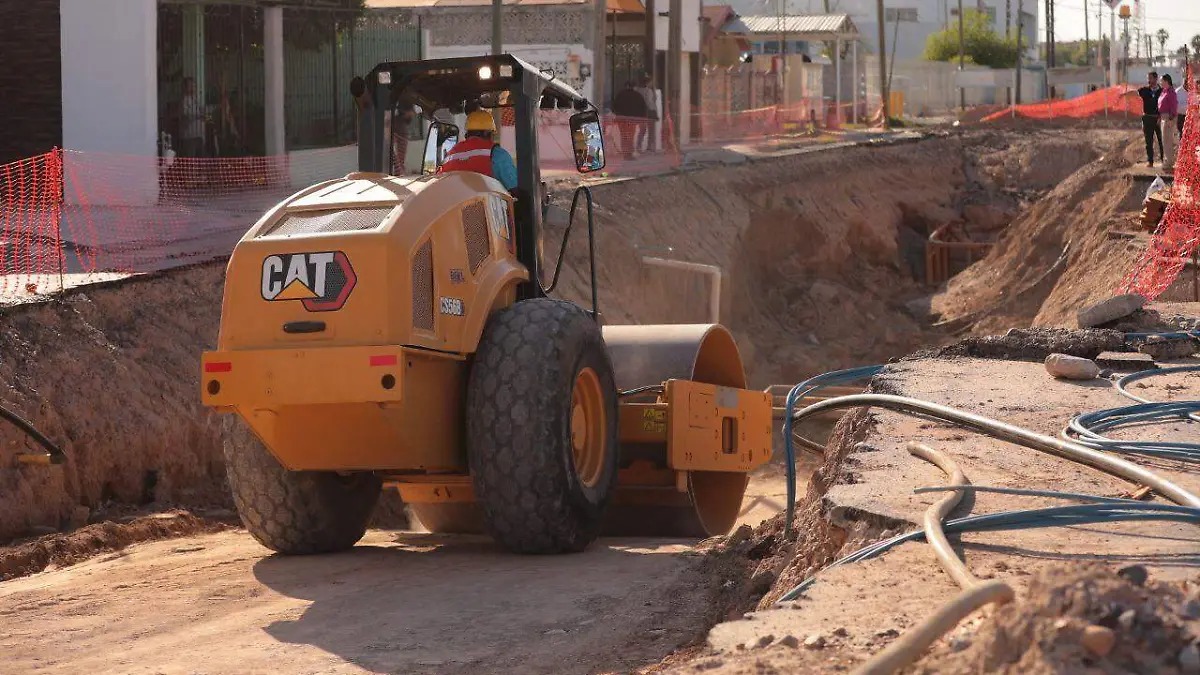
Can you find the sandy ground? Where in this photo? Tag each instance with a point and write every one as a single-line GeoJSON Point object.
{"type": "Point", "coordinates": [399, 602]}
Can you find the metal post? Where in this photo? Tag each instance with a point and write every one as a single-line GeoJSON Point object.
{"type": "Point", "coordinates": [674, 70]}
{"type": "Point", "coordinates": [497, 32]}
{"type": "Point", "coordinates": [1112, 47]}
{"type": "Point", "coordinates": [837, 76]}
{"type": "Point", "coordinates": [1087, 38]}
{"type": "Point", "coordinates": [854, 71]}
{"type": "Point", "coordinates": [883, 85]}
{"type": "Point", "coordinates": [649, 46]}
{"type": "Point", "coordinates": [600, 53]}
{"type": "Point", "coordinates": [1020, 49]}
{"type": "Point", "coordinates": [497, 49]}
{"type": "Point", "coordinates": [962, 93]}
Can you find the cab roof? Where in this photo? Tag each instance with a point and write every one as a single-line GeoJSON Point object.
{"type": "Point", "coordinates": [445, 83]}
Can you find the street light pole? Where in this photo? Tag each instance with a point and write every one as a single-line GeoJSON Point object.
{"type": "Point", "coordinates": [883, 83]}
{"type": "Point", "coordinates": [962, 57]}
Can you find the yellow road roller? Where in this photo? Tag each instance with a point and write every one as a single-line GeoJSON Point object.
{"type": "Point", "coordinates": [398, 330]}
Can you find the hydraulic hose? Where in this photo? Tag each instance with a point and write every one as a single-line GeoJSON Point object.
{"type": "Point", "coordinates": [1084, 429]}
{"type": "Point", "coordinates": [912, 644]}
{"type": "Point", "coordinates": [55, 453]}
{"type": "Point", "coordinates": [974, 595]}
{"type": "Point", "coordinates": [1054, 516]}
{"type": "Point", "coordinates": [1065, 449]}
{"type": "Point", "coordinates": [948, 559]}
{"type": "Point", "coordinates": [796, 394]}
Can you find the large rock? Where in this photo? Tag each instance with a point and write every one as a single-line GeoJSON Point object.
{"type": "Point", "coordinates": [1110, 310]}
{"type": "Point", "coordinates": [1071, 367]}
{"type": "Point", "coordinates": [1162, 348]}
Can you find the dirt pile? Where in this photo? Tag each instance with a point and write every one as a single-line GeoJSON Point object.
{"type": "Point", "coordinates": [821, 252]}
{"type": "Point", "coordinates": [1070, 249]}
{"type": "Point", "coordinates": [112, 375]}
{"type": "Point", "coordinates": [1155, 626]}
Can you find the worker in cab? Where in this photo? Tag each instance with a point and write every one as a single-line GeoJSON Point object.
{"type": "Point", "coordinates": [479, 152]}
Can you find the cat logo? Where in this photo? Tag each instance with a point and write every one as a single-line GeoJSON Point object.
{"type": "Point", "coordinates": [320, 281]}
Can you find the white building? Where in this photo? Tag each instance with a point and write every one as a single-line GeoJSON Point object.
{"type": "Point", "coordinates": [908, 22]}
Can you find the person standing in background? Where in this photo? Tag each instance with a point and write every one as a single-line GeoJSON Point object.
{"type": "Point", "coordinates": [1150, 126]}
{"type": "Point", "coordinates": [1168, 109]}
{"type": "Point", "coordinates": [630, 109]}
{"type": "Point", "coordinates": [645, 136]}
{"type": "Point", "coordinates": [1181, 96]}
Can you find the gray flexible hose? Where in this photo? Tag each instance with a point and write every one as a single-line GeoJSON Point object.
{"type": "Point", "coordinates": [975, 593]}
{"type": "Point", "coordinates": [1007, 432]}
{"type": "Point", "coordinates": [935, 514]}
{"type": "Point", "coordinates": [908, 647]}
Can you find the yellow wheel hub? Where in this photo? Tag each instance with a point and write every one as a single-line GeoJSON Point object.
{"type": "Point", "coordinates": [588, 425]}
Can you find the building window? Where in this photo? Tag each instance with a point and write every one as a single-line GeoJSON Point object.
{"type": "Point", "coordinates": [897, 14]}
{"type": "Point", "coordinates": [989, 11]}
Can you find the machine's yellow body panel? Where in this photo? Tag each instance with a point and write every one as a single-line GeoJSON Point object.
{"type": "Point", "coordinates": [351, 311]}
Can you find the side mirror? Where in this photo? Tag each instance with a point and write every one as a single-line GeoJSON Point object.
{"type": "Point", "coordinates": [442, 137]}
{"type": "Point", "coordinates": [588, 141]}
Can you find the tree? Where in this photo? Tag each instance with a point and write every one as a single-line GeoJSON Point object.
{"type": "Point", "coordinates": [1162, 36]}
{"type": "Point", "coordinates": [1196, 44]}
{"type": "Point", "coordinates": [980, 43]}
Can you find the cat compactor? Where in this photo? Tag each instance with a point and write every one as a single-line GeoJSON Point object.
{"type": "Point", "coordinates": [383, 330]}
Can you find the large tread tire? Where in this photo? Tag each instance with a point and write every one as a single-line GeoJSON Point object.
{"type": "Point", "coordinates": [295, 512]}
{"type": "Point", "coordinates": [519, 406]}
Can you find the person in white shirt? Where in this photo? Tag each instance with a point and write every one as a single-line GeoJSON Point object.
{"type": "Point", "coordinates": [1182, 95]}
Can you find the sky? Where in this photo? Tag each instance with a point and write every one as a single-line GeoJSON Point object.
{"type": "Point", "coordinates": [1181, 18]}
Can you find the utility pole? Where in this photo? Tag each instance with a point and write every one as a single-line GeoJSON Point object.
{"type": "Point", "coordinates": [1050, 39]}
{"type": "Point", "coordinates": [1008, 18]}
{"type": "Point", "coordinates": [497, 46]}
{"type": "Point", "coordinates": [600, 54]}
{"type": "Point", "coordinates": [650, 50]}
{"type": "Point", "coordinates": [1112, 43]}
{"type": "Point", "coordinates": [883, 83]}
{"type": "Point", "coordinates": [674, 58]}
{"type": "Point", "coordinates": [497, 36]}
{"type": "Point", "coordinates": [962, 61]}
{"type": "Point", "coordinates": [1087, 40]}
{"type": "Point", "coordinates": [1020, 47]}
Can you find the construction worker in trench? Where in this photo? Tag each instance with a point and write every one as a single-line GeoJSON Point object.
{"type": "Point", "coordinates": [478, 152]}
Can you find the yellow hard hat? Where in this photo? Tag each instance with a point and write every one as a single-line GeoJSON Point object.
{"type": "Point", "coordinates": [481, 121]}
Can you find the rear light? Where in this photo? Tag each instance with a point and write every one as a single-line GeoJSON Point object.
{"type": "Point", "coordinates": [218, 367]}
{"type": "Point", "coordinates": [384, 360]}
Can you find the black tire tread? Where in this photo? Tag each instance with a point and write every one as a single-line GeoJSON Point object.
{"type": "Point", "coordinates": [518, 403]}
{"type": "Point", "coordinates": [295, 512]}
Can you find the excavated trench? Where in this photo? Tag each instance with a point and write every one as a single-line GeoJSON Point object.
{"type": "Point", "coordinates": [821, 257]}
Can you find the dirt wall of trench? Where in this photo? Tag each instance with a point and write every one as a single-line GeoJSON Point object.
{"type": "Point", "coordinates": [820, 252]}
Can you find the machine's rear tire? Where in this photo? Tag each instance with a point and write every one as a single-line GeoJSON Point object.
{"type": "Point", "coordinates": [542, 427]}
{"type": "Point", "coordinates": [295, 512]}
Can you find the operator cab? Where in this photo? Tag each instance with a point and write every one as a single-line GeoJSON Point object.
{"type": "Point", "coordinates": [432, 98]}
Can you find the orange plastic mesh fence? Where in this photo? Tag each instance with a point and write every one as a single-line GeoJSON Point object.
{"type": "Point", "coordinates": [1176, 238]}
{"type": "Point", "coordinates": [1111, 101]}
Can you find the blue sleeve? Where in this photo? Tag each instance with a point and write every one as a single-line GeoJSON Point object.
{"type": "Point", "coordinates": [503, 168]}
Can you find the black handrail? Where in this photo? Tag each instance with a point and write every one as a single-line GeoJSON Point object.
{"type": "Point", "coordinates": [562, 250]}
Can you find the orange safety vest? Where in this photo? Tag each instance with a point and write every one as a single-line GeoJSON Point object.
{"type": "Point", "coordinates": [470, 154]}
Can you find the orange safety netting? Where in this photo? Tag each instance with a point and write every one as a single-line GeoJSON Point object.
{"type": "Point", "coordinates": [1176, 238]}
{"type": "Point", "coordinates": [1118, 100]}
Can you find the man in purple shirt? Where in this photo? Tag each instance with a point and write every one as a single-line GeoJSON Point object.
{"type": "Point", "coordinates": [1168, 108]}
